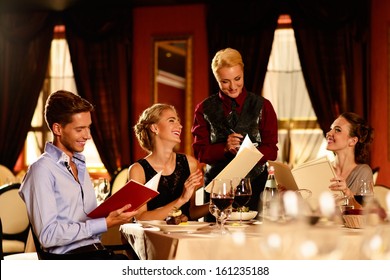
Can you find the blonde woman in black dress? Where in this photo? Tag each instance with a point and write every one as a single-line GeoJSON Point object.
{"type": "Point", "coordinates": [158, 132]}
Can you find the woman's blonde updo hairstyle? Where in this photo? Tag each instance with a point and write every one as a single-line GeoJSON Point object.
{"type": "Point", "coordinates": [226, 58]}
{"type": "Point", "coordinates": [149, 117]}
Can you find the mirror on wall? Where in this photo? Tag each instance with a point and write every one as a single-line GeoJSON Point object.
{"type": "Point", "coordinates": [172, 81]}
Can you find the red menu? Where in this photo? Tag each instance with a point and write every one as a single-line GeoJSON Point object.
{"type": "Point", "coordinates": [132, 193]}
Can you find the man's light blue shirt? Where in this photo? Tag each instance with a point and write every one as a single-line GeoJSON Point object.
{"type": "Point", "coordinates": [58, 205]}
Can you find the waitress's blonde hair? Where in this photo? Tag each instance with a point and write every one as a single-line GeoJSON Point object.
{"type": "Point", "coordinates": [226, 58]}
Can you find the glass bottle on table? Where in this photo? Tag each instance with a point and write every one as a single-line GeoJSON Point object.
{"type": "Point", "coordinates": [270, 198]}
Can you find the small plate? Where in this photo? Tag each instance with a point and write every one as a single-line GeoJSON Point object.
{"type": "Point", "coordinates": [246, 216]}
{"type": "Point", "coordinates": [186, 227]}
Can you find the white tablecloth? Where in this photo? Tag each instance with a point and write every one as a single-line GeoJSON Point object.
{"type": "Point", "coordinates": [253, 242]}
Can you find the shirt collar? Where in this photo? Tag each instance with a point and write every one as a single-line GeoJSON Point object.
{"type": "Point", "coordinates": [60, 156]}
{"type": "Point", "coordinates": [227, 101]}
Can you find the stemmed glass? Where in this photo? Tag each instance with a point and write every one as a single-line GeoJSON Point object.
{"type": "Point", "coordinates": [222, 197]}
{"type": "Point", "coordinates": [364, 192]}
{"type": "Point", "coordinates": [242, 193]}
{"type": "Point", "coordinates": [214, 211]}
{"type": "Point", "coordinates": [305, 204]}
{"type": "Point", "coordinates": [102, 189]}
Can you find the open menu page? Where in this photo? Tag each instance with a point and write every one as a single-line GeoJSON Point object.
{"type": "Point", "coordinates": [246, 158]}
{"type": "Point", "coordinates": [313, 175]}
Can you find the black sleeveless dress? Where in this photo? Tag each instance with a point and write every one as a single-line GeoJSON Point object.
{"type": "Point", "coordinates": [171, 186]}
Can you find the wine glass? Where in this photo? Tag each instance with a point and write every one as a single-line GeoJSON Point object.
{"type": "Point", "coordinates": [103, 189]}
{"type": "Point", "coordinates": [222, 196]}
{"type": "Point", "coordinates": [242, 193]}
{"type": "Point", "coordinates": [304, 193]}
{"type": "Point", "coordinates": [364, 192]}
{"type": "Point", "coordinates": [213, 209]}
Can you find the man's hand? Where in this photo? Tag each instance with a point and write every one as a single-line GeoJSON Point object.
{"type": "Point", "coordinates": [120, 216]}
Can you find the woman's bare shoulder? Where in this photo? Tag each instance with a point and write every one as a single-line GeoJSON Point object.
{"type": "Point", "coordinates": [136, 172]}
{"type": "Point", "coordinates": [193, 163]}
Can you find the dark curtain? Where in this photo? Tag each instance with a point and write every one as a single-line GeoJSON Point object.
{"type": "Point", "coordinates": [100, 50]}
{"type": "Point", "coordinates": [25, 40]}
{"type": "Point", "coordinates": [332, 41]}
{"type": "Point", "coordinates": [247, 26]}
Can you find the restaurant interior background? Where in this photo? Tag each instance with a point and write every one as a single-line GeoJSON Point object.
{"type": "Point", "coordinates": [115, 49]}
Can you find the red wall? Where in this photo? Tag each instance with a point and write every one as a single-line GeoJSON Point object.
{"type": "Point", "coordinates": [380, 92]}
{"type": "Point", "coordinates": [152, 22]}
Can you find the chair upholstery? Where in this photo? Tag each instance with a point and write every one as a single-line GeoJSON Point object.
{"type": "Point", "coordinates": [12, 246]}
{"type": "Point", "coordinates": [119, 180]}
{"type": "Point", "coordinates": [30, 245]}
{"type": "Point", "coordinates": [380, 193]}
{"type": "Point", "coordinates": [6, 176]}
{"type": "Point", "coordinates": [15, 223]}
{"type": "Point", "coordinates": [375, 173]}
{"type": "Point", "coordinates": [20, 176]}
{"type": "Point", "coordinates": [1, 241]}
{"type": "Point", "coordinates": [37, 245]}
{"type": "Point", "coordinates": [17, 256]}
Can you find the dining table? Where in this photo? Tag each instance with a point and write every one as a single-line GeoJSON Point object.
{"type": "Point", "coordinates": [252, 240]}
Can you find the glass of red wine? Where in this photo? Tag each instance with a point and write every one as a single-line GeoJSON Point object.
{"type": "Point", "coordinates": [221, 197]}
{"type": "Point", "coordinates": [365, 192]}
{"type": "Point", "coordinates": [242, 194]}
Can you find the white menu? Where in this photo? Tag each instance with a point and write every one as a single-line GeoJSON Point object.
{"type": "Point", "coordinates": [246, 158]}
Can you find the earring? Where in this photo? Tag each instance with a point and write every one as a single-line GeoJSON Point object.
{"type": "Point", "coordinates": [154, 130]}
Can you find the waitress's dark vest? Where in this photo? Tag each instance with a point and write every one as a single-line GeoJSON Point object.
{"type": "Point", "coordinates": [247, 124]}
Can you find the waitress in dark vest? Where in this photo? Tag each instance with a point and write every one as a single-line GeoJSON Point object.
{"type": "Point", "coordinates": [222, 121]}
